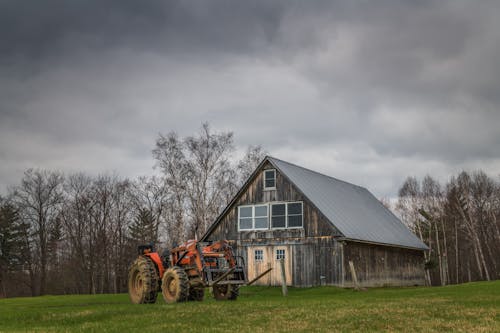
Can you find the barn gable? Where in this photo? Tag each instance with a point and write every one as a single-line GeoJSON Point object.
{"type": "Point", "coordinates": [253, 193]}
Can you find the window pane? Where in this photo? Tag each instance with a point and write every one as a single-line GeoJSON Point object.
{"type": "Point", "coordinates": [280, 254]}
{"type": "Point", "coordinates": [294, 208]}
{"type": "Point", "coordinates": [261, 210]}
{"type": "Point", "coordinates": [269, 174]}
{"type": "Point", "coordinates": [278, 221]}
{"type": "Point", "coordinates": [270, 183]}
{"type": "Point", "coordinates": [269, 178]}
{"type": "Point", "coordinates": [278, 209]}
{"type": "Point", "coordinates": [295, 221]}
{"type": "Point", "coordinates": [246, 223]}
{"type": "Point", "coordinates": [261, 222]}
{"type": "Point", "coordinates": [245, 211]}
{"type": "Point", "coordinates": [259, 255]}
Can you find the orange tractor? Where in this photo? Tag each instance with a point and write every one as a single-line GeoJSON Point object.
{"type": "Point", "coordinates": [183, 273]}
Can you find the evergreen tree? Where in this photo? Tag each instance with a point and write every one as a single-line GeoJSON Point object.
{"type": "Point", "coordinates": [11, 244]}
{"type": "Point", "coordinates": [143, 228]}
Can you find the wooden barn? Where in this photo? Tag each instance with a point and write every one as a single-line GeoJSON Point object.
{"type": "Point", "coordinates": [317, 224]}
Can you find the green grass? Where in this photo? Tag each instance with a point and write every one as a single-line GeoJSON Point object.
{"type": "Point", "coordinates": [473, 307]}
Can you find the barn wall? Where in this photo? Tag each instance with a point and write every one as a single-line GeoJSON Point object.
{"type": "Point", "coordinates": [318, 262]}
{"type": "Point", "coordinates": [378, 265]}
{"type": "Point", "coordinates": [313, 261]}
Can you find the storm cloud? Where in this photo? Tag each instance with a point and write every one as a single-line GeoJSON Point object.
{"type": "Point", "coordinates": [369, 92]}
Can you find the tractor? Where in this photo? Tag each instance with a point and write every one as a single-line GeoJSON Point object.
{"type": "Point", "coordinates": [183, 273]}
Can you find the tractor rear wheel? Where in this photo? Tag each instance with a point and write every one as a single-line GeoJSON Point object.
{"type": "Point", "coordinates": [142, 281]}
{"type": "Point", "coordinates": [175, 285]}
{"type": "Point", "coordinates": [226, 292]}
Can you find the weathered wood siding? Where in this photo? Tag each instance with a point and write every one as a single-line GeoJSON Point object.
{"type": "Point", "coordinates": [318, 262]}
{"type": "Point", "coordinates": [378, 265]}
{"type": "Point", "coordinates": [315, 223]}
{"type": "Point", "coordinates": [310, 261]}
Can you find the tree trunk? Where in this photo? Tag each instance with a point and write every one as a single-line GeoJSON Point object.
{"type": "Point", "coordinates": [481, 255]}
{"type": "Point", "coordinates": [3, 293]}
{"type": "Point", "coordinates": [446, 273]}
{"type": "Point", "coordinates": [457, 262]}
{"type": "Point", "coordinates": [436, 232]}
{"type": "Point", "coordinates": [478, 261]}
{"type": "Point", "coordinates": [426, 254]}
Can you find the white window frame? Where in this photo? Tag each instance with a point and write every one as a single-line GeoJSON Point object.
{"type": "Point", "coordinates": [239, 209]}
{"type": "Point", "coordinates": [301, 215]}
{"type": "Point", "coordinates": [264, 179]}
{"type": "Point", "coordinates": [253, 217]}
{"type": "Point", "coordinates": [286, 215]}
{"type": "Point", "coordinates": [269, 215]}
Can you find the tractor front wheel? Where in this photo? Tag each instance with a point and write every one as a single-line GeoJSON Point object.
{"type": "Point", "coordinates": [226, 292]}
{"type": "Point", "coordinates": [175, 285]}
{"type": "Point", "coordinates": [143, 281]}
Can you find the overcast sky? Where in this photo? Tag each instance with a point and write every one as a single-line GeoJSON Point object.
{"type": "Point", "coordinates": [366, 91]}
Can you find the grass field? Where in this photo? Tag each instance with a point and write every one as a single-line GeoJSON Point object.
{"type": "Point", "coordinates": [473, 307]}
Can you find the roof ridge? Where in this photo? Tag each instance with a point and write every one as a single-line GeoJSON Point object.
{"type": "Point", "coordinates": [316, 172]}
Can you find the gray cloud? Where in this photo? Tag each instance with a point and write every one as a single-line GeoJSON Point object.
{"type": "Point", "coordinates": [367, 92]}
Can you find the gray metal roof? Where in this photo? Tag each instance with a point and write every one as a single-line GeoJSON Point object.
{"type": "Point", "coordinates": [352, 209]}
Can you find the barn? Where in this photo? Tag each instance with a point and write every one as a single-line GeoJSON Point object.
{"type": "Point", "coordinates": [317, 224]}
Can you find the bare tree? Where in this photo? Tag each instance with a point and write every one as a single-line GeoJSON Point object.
{"type": "Point", "coordinates": [170, 158]}
{"type": "Point", "coordinates": [408, 206]}
{"type": "Point", "coordinates": [39, 198]}
{"type": "Point", "coordinates": [253, 157]}
{"type": "Point", "coordinates": [200, 173]}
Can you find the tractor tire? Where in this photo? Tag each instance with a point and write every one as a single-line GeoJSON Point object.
{"type": "Point", "coordinates": [143, 281]}
{"type": "Point", "coordinates": [196, 290]}
{"type": "Point", "coordinates": [226, 292]}
{"type": "Point", "coordinates": [175, 285]}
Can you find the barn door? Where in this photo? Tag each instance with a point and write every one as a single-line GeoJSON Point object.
{"type": "Point", "coordinates": [260, 258]}
{"type": "Point", "coordinates": [258, 262]}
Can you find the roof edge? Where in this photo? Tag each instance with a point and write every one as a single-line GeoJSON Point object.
{"type": "Point", "coordinates": [384, 244]}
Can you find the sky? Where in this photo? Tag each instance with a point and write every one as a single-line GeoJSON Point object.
{"type": "Point", "coordinates": [366, 91]}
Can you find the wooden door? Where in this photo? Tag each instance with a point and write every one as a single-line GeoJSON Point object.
{"type": "Point", "coordinates": [260, 258]}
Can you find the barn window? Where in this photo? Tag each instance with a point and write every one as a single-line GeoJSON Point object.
{"type": "Point", "coordinates": [294, 215]}
{"type": "Point", "coordinates": [280, 254]}
{"type": "Point", "coordinates": [253, 217]}
{"type": "Point", "coordinates": [278, 215]}
{"type": "Point", "coordinates": [259, 255]}
{"type": "Point", "coordinates": [269, 179]}
{"type": "Point", "coordinates": [245, 217]}
{"type": "Point", "coordinates": [260, 217]}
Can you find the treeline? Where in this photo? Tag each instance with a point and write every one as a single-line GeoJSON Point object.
{"type": "Point", "coordinates": [459, 221]}
{"type": "Point", "coordinates": [77, 233]}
